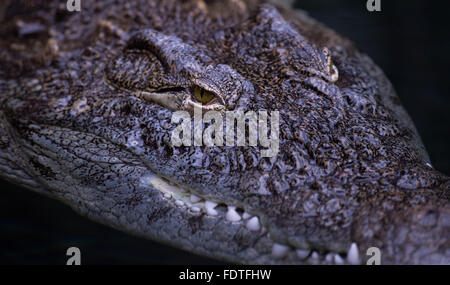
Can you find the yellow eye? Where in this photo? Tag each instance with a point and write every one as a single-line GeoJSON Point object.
{"type": "Point", "coordinates": [202, 95]}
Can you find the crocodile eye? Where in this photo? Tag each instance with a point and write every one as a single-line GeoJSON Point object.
{"type": "Point", "coordinates": [203, 96]}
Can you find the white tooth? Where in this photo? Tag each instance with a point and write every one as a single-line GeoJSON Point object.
{"type": "Point", "coordinates": [329, 257]}
{"type": "Point", "coordinates": [302, 253]}
{"type": "Point", "coordinates": [246, 215]}
{"type": "Point", "coordinates": [315, 256]}
{"type": "Point", "coordinates": [209, 207]}
{"type": "Point", "coordinates": [353, 254]}
{"type": "Point", "coordinates": [195, 199]}
{"type": "Point", "coordinates": [429, 165]}
{"type": "Point", "coordinates": [179, 203]}
{"type": "Point", "coordinates": [338, 259]}
{"type": "Point", "coordinates": [279, 250]}
{"type": "Point", "coordinates": [232, 215]}
{"type": "Point", "coordinates": [195, 209]}
{"type": "Point", "coordinates": [253, 224]}
{"type": "Point", "coordinates": [167, 195]}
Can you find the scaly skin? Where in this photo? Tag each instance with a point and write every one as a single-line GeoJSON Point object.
{"type": "Point", "coordinates": [86, 106]}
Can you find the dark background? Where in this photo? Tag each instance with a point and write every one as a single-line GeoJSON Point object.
{"type": "Point", "coordinates": [408, 39]}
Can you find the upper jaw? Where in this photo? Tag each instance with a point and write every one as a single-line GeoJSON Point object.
{"type": "Point", "coordinates": [220, 236]}
{"type": "Point", "coordinates": [154, 215]}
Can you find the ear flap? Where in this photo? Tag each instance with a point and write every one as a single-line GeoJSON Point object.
{"type": "Point", "coordinates": [280, 38]}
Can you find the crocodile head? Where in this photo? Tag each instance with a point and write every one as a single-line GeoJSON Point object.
{"type": "Point", "coordinates": [86, 117]}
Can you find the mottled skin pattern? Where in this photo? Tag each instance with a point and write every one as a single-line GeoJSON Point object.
{"type": "Point", "coordinates": [86, 105]}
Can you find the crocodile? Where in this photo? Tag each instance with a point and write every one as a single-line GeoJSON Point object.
{"type": "Point", "coordinates": [86, 109]}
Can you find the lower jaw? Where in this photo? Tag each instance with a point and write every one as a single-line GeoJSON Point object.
{"type": "Point", "coordinates": [280, 253]}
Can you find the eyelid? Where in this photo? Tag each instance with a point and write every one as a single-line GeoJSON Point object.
{"type": "Point", "coordinates": [140, 42]}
